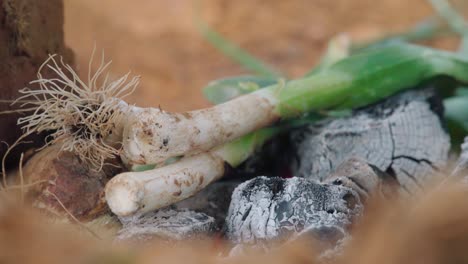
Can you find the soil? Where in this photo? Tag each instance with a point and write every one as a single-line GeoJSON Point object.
{"type": "Point", "coordinates": [29, 31]}
{"type": "Point", "coordinates": [158, 39]}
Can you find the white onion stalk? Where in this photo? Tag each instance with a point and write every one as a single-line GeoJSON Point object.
{"type": "Point", "coordinates": [152, 135]}
{"type": "Point", "coordinates": [91, 119]}
{"type": "Point", "coordinates": [138, 192]}
{"type": "Point", "coordinates": [132, 193]}
{"type": "Point", "coordinates": [352, 82]}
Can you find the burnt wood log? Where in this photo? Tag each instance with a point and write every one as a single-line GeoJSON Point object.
{"type": "Point", "coordinates": [166, 224]}
{"type": "Point", "coordinates": [265, 209]}
{"type": "Point", "coordinates": [402, 136]}
{"type": "Point", "coordinates": [364, 178]}
{"type": "Point", "coordinates": [274, 209]}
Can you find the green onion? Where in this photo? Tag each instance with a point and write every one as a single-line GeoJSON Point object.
{"type": "Point", "coordinates": [356, 81]}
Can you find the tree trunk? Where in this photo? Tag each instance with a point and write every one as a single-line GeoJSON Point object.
{"type": "Point", "coordinates": [29, 31]}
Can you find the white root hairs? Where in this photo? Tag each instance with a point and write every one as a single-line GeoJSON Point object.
{"type": "Point", "coordinates": [81, 115]}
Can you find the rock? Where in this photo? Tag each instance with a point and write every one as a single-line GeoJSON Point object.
{"type": "Point", "coordinates": [29, 31]}
{"type": "Point", "coordinates": [402, 136]}
{"type": "Point", "coordinates": [61, 177]}
{"type": "Point", "coordinates": [265, 210]}
{"type": "Point", "coordinates": [214, 201]}
{"type": "Point", "coordinates": [166, 224]}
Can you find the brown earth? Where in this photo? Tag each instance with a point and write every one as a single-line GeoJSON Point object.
{"type": "Point", "coordinates": [29, 31]}
{"type": "Point", "coordinates": [158, 40]}
{"type": "Point", "coordinates": [64, 180]}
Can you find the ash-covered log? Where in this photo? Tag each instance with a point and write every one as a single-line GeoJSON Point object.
{"type": "Point", "coordinates": [166, 224]}
{"type": "Point", "coordinates": [267, 210]}
{"type": "Point", "coordinates": [364, 178]}
{"type": "Point", "coordinates": [403, 136]}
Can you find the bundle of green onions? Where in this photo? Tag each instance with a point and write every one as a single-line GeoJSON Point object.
{"type": "Point", "coordinates": [356, 81]}
{"type": "Point", "coordinates": [93, 120]}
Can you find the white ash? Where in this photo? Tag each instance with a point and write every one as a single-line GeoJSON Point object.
{"type": "Point", "coordinates": [166, 224]}
{"type": "Point", "coordinates": [402, 135]}
{"type": "Point", "coordinates": [275, 209]}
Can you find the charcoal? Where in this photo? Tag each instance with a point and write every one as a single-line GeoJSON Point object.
{"type": "Point", "coordinates": [214, 201]}
{"type": "Point", "coordinates": [403, 136]}
{"type": "Point", "coordinates": [276, 209]}
{"type": "Point", "coordinates": [166, 224]}
{"type": "Point", "coordinates": [266, 161]}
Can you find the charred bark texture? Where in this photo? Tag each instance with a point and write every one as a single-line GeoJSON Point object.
{"type": "Point", "coordinates": [402, 136]}
{"type": "Point", "coordinates": [273, 209]}
{"type": "Point", "coordinates": [29, 31]}
{"type": "Point", "coordinates": [364, 178]}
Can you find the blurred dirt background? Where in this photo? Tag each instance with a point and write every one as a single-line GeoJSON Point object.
{"type": "Point", "coordinates": [157, 39]}
{"type": "Point", "coordinates": [29, 31]}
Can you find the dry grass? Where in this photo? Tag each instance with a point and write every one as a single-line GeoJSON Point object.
{"type": "Point", "coordinates": [431, 228]}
